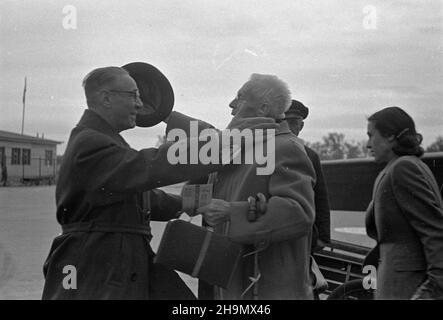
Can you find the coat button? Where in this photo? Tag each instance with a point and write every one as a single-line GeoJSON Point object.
{"type": "Point", "coordinates": [133, 277]}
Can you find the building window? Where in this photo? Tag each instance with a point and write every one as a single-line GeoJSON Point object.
{"type": "Point", "coordinates": [2, 156]}
{"type": "Point", "coordinates": [26, 159]}
{"type": "Point", "coordinates": [48, 158]}
{"type": "Point", "coordinates": [16, 155]}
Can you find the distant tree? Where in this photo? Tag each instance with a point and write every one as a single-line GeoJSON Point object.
{"type": "Point", "coordinates": [353, 150]}
{"type": "Point", "coordinates": [436, 146]}
{"type": "Point", "coordinates": [318, 148]}
{"type": "Point", "coordinates": [334, 146]}
{"type": "Point", "coordinates": [356, 149]}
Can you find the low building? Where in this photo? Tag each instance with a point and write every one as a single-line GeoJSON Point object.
{"type": "Point", "coordinates": [27, 159]}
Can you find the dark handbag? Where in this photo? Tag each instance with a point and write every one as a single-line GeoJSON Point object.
{"type": "Point", "coordinates": [198, 252]}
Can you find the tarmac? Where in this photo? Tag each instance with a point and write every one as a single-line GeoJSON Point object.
{"type": "Point", "coordinates": [28, 225]}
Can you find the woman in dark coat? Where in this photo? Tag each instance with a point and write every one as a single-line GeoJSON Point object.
{"type": "Point", "coordinates": [405, 216]}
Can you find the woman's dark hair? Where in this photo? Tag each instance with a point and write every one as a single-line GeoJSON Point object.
{"type": "Point", "coordinates": [394, 121]}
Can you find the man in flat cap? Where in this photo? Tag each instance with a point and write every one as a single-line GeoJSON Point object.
{"type": "Point", "coordinates": [321, 235]}
{"type": "Point", "coordinates": [106, 197]}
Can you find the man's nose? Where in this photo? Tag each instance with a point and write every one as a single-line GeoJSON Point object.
{"type": "Point", "coordinates": [233, 104]}
{"type": "Point", "coordinates": [138, 103]}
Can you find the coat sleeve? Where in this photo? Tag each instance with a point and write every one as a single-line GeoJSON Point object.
{"type": "Point", "coordinates": [181, 121]}
{"type": "Point", "coordinates": [322, 211]}
{"type": "Point", "coordinates": [371, 230]}
{"type": "Point", "coordinates": [164, 206]}
{"type": "Point", "coordinates": [103, 164]}
{"type": "Point", "coordinates": [422, 207]}
{"type": "Point", "coordinates": [193, 127]}
{"type": "Point", "coordinates": [290, 211]}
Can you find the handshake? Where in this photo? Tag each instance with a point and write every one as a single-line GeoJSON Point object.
{"type": "Point", "coordinates": [197, 199]}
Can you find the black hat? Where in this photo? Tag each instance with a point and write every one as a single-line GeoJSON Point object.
{"type": "Point", "coordinates": [155, 92]}
{"type": "Point", "coordinates": [297, 109]}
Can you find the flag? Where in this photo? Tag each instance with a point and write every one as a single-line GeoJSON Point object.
{"type": "Point", "coordinates": [23, 113]}
{"type": "Point", "coordinates": [24, 92]}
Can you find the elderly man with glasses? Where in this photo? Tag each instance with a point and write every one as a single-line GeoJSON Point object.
{"type": "Point", "coordinates": [105, 200]}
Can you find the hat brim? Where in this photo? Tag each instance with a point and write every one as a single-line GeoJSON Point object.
{"type": "Point", "coordinates": [293, 116]}
{"type": "Point", "coordinates": [155, 92]}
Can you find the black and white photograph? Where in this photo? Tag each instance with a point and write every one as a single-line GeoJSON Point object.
{"type": "Point", "coordinates": [203, 150]}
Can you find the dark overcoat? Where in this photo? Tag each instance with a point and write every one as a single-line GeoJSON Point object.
{"type": "Point", "coordinates": [406, 219]}
{"type": "Point", "coordinates": [102, 207]}
{"type": "Point", "coordinates": [322, 223]}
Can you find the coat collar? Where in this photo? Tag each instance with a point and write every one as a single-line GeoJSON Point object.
{"type": "Point", "coordinates": [92, 120]}
{"type": "Point", "coordinates": [282, 128]}
{"type": "Point", "coordinates": [382, 174]}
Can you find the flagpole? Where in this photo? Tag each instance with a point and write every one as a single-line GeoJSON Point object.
{"type": "Point", "coordinates": [24, 101]}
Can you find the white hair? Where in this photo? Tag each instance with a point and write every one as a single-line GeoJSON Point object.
{"type": "Point", "coordinates": [270, 90]}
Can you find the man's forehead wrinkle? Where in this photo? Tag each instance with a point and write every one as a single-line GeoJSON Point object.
{"type": "Point", "coordinates": [124, 83]}
{"type": "Point", "coordinates": [245, 92]}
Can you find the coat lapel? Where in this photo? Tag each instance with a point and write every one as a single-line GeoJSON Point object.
{"type": "Point", "coordinates": [377, 182]}
{"type": "Point", "coordinates": [371, 228]}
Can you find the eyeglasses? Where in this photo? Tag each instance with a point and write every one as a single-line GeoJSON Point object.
{"type": "Point", "coordinates": [134, 94]}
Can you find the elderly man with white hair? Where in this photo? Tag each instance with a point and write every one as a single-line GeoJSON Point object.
{"type": "Point", "coordinates": [276, 240]}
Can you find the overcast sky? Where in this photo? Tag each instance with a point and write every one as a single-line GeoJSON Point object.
{"type": "Point", "coordinates": [327, 51]}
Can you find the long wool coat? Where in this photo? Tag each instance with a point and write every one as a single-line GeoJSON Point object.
{"type": "Point", "coordinates": [102, 208]}
{"type": "Point", "coordinates": [284, 230]}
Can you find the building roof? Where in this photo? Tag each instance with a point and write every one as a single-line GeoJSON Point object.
{"type": "Point", "coordinates": [16, 137]}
